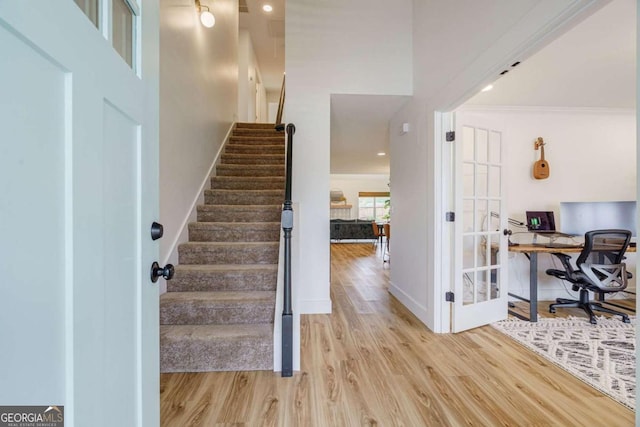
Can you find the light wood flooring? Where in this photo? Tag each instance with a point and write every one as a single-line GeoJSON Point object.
{"type": "Point", "coordinates": [371, 362]}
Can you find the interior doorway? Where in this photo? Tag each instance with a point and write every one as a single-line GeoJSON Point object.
{"type": "Point", "coordinates": [361, 197]}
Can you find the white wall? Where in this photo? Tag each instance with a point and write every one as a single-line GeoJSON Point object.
{"type": "Point", "coordinates": [352, 184]}
{"type": "Point", "coordinates": [198, 104]}
{"type": "Point", "coordinates": [248, 77]}
{"type": "Point", "coordinates": [355, 47]}
{"type": "Point", "coordinates": [591, 155]}
{"type": "Point", "coordinates": [244, 47]}
{"type": "Point", "coordinates": [451, 62]}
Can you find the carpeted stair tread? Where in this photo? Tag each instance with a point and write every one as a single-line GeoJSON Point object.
{"type": "Point", "coordinates": [239, 213]}
{"type": "Point", "coordinates": [274, 139]}
{"type": "Point", "coordinates": [228, 252]}
{"type": "Point", "coordinates": [250, 170]}
{"type": "Point", "coordinates": [225, 307]}
{"type": "Point", "coordinates": [247, 183]}
{"type": "Point", "coordinates": [223, 277]}
{"type": "Point", "coordinates": [204, 348]}
{"type": "Point", "coordinates": [234, 231]}
{"type": "Point", "coordinates": [257, 133]}
{"type": "Point", "coordinates": [243, 197]}
{"type": "Point", "coordinates": [254, 149]}
{"type": "Point", "coordinates": [249, 125]}
{"type": "Point", "coordinates": [256, 130]}
{"type": "Point", "coordinates": [252, 159]}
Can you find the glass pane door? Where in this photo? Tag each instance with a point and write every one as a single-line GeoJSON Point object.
{"type": "Point", "coordinates": [480, 244]}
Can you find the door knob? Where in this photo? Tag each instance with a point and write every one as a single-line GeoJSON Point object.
{"type": "Point", "coordinates": [157, 230]}
{"type": "Point", "coordinates": [156, 271]}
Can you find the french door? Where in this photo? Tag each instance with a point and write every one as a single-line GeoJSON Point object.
{"type": "Point", "coordinates": [480, 261]}
{"type": "Point", "coordinates": [78, 194]}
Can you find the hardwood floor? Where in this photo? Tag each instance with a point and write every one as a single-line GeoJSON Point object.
{"type": "Point", "coordinates": [371, 362]}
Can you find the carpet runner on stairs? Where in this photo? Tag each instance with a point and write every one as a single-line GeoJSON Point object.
{"type": "Point", "coordinates": [218, 312]}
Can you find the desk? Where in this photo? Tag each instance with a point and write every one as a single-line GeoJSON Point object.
{"type": "Point", "coordinates": [532, 252]}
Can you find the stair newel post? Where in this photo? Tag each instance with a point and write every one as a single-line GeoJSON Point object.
{"type": "Point", "coordinates": [287, 227]}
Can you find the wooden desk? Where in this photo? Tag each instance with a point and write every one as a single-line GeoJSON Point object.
{"type": "Point", "coordinates": [532, 252]}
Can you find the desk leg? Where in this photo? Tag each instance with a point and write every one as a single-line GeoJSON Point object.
{"type": "Point", "coordinates": [533, 287]}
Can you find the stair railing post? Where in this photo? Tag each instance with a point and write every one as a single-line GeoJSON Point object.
{"type": "Point", "coordinates": [287, 227]}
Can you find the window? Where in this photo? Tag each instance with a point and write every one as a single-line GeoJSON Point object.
{"type": "Point", "coordinates": [123, 31]}
{"type": "Point", "coordinates": [374, 206]}
{"type": "Point", "coordinates": [90, 8]}
{"type": "Point", "coordinates": [118, 21]}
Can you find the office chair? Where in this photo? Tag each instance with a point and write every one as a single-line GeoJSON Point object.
{"type": "Point", "coordinates": [600, 269]}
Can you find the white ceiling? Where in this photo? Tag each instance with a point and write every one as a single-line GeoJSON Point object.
{"type": "Point", "coordinates": [592, 65]}
{"type": "Point", "coordinates": [267, 36]}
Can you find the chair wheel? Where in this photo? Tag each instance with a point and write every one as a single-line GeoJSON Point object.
{"type": "Point", "coordinates": [626, 320]}
{"type": "Point", "coordinates": [593, 321]}
{"type": "Point", "coordinates": [552, 310]}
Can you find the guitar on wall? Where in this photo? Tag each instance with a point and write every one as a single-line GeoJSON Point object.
{"type": "Point", "coordinates": [541, 167]}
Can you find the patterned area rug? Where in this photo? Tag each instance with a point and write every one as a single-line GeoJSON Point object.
{"type": "Point", "coordinates": [601, 355]}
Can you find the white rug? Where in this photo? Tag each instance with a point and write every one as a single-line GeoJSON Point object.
{"type": "Point", "coordinates": [601, 355]}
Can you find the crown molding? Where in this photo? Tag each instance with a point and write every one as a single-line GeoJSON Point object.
{"type": "Point", "coordinates": [544, 109]}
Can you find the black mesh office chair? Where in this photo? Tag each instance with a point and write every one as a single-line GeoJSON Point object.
{"type": "Point", "coordinates": [600, 269]}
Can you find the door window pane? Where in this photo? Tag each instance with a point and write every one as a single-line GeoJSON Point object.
{"type": "Point", "coordinates": [469, 288]}
{"type": "Point", "coordinates": [494, 181]}
{"type": "Point", "coordinates": [495, 140]}
{"type": "Point", "coordinates": [123, 30]}
{"type": "Point", "coordinates": [482, 145]}
{"type": "Point", "coordinates": [468, 180]}
{"type": "Point", "coordinates": [468, 252]}
{"type": "Point", "coordinates": [482, 181]}
{"type": "Point", "coordinates": [90, 8]}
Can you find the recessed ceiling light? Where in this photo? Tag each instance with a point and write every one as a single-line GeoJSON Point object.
{"type": "Point", "coordinates": [382, 153]}
{"type": "Point", "coordinates": [487, 88]}
{"type": "Point", "coordinates": [267, 8]}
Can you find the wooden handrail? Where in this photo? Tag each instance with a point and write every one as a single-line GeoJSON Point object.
{"type": "Point", "coordinates": [281, 103]}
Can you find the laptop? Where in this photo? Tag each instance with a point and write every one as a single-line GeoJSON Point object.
{"type": "Point", "coordinates": [543, 222]}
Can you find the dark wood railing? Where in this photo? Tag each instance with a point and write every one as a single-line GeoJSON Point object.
{"type": "Point", "coordinates": [281, 103]}
{"type": "Point", "coordinates": [287, 227]}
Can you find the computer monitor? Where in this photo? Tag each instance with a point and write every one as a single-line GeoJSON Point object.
{"type": "Point", "coordinates": [580, 217]}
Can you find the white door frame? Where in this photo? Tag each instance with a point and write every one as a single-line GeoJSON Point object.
{"type": "Point", "coordinates": [463, 87]}
{"type": "Point", "coordinates": [445, 232]}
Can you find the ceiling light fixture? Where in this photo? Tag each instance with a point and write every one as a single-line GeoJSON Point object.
{"type": "Point", "coordinates": [487, 88]}
{"type": "Point", "coordinates": [267, 8]}
{"type": "Point", "coordinates": [382, 153]}
{"type": "Point", "coordinates": [206, 17]}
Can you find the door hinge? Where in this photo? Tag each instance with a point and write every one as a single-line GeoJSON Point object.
{"type": "Point", "coordinates": [450, 216]}
{"type": "Point", "coordinates": [451, 136]}
{"type": "Point", "coordinates": [449, 297]}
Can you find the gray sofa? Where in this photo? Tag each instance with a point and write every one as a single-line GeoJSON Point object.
{"type": "Point", "coordinates": [343, 229]}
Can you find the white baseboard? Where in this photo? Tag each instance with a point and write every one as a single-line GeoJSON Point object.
{"type": "Point", "coordinates": [419, 310]}
{"type": "Point", "coordinates": [192, 215]}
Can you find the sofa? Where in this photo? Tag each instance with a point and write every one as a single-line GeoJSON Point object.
{"type": "Point", "coordinates": [343, 229]}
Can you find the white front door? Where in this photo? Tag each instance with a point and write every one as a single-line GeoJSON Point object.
{"type": "Point", "coordinates": [78, 193]}
{"type": "Point", "coordinates": [480, 266]}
